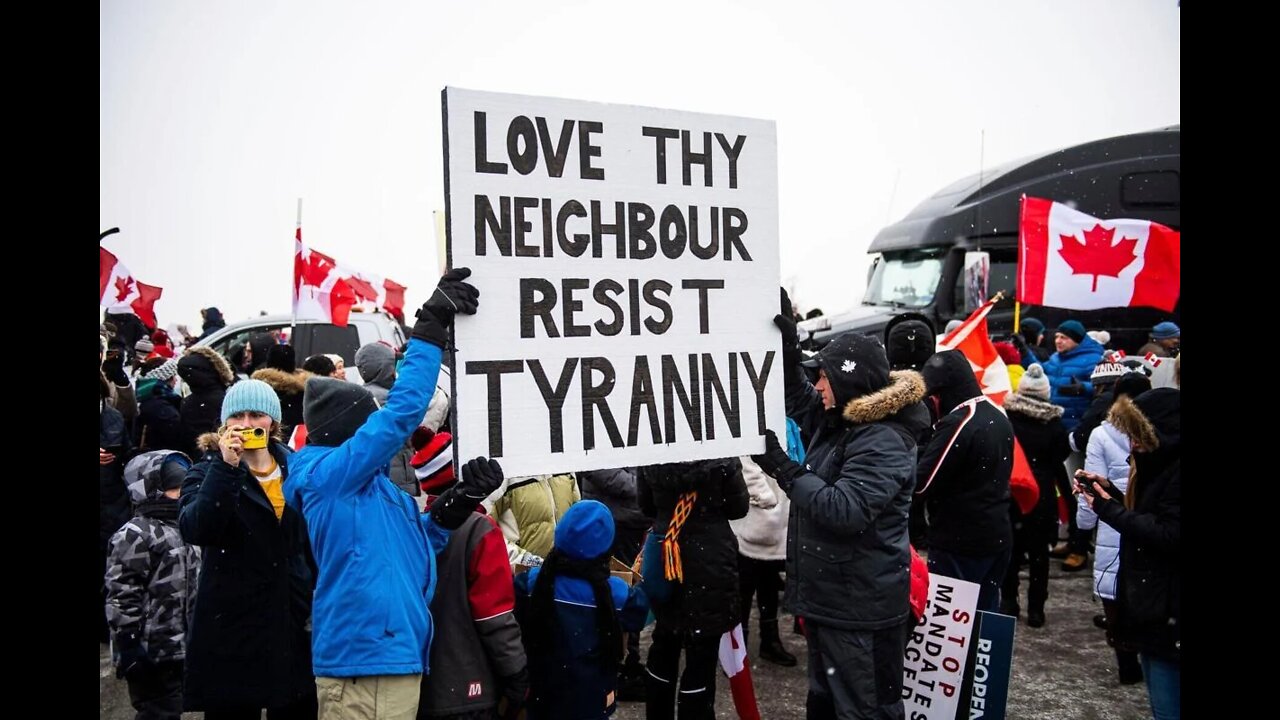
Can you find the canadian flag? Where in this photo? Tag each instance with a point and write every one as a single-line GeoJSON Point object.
{"type": "Point", "coordinates": [298, 438]}
{"type": "Point", "coordinates": [1067, 259]}
{"type": "Point", "coordinates": [971, 338]}
{"type": "Point", "coordinates": [382, 292]}
{"type": "Point", "coordinates": [120, 293]}
{"type": "Point", "coordinates": [319, 290]}
{"type": "Point", "coordinates": [733, 660]}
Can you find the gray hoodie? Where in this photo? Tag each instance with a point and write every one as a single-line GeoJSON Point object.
{"type": "Point", "coordinates": [377, 365]}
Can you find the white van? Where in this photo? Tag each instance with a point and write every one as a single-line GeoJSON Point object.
{"type": "Point", "coordinates": [310, 337]}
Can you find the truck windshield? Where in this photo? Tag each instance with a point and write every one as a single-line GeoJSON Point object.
{"type": "Point", "coordinates": [907, 278]}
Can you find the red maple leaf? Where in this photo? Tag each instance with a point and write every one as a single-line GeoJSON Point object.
{"type": "Point", "coordinates": [362, 288]}
{"type": "Point", "coordinates": [1096, 255]}
{"type": "Point", "coordinates": [123, 285]}
{"type": "Point", "coordinates": [311, 271]}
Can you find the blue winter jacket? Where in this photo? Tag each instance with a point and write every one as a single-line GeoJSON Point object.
{"type": "Point", "coordinates": [374, 550]}
{"type": "Point", "coordinates": [571, 684]}
{"type": "Point", "coordinates": [1076, 363]}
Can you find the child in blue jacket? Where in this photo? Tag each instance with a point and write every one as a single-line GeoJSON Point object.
{"type": "Point", "coordinates": [573, 614]}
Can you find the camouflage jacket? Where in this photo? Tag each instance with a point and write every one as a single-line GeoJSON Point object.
{"type": "Point", "coordinates": [151, 580]}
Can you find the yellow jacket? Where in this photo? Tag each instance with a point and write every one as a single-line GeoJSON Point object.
{"type": "Point", "coordinates": [527, 509]}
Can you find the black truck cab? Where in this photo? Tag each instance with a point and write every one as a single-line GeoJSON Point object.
{"type": "Point", "coordinates": [919, 263]}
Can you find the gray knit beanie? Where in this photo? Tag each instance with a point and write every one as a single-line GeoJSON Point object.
{"type": "Point", "coordinates": [334, 409]}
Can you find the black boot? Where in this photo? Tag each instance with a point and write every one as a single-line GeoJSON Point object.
{"type": "Point", "coordinates": [819, 707]}
{"type": "Point", "coordinates": [1130, 668]}
{"type": "Point", "coordinates": [1009, 606]}
{"type": "Point", "coordinates": [659, 698]}
{"type": "Point", "coordinates": [631, 680]}
{"type": "Point", "coordinates": [771, 647]}
{"type": "Point", "coordinates": [1035, 617]}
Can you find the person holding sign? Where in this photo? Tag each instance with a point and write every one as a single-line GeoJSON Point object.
{"type": "Point", "coordinates": [374, 551]}
{"type": "Point", "coordinates": [848, 560]}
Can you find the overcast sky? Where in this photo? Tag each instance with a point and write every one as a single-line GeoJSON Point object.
{"type": "Point", "coordinates": [216, 116]}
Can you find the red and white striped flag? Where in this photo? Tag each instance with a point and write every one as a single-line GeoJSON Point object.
{"type": "Point", "coordinates": [319, 290]}
{"type": "Point", "coordinates": [1067, 259]}
{"type": "Point", "coordinates": [381, 292]}
{"type": "Point", "coordinates": [298, 438]}
{"type": "Point", "coordinates": [972, 339]}
{"type": "Point", "coordinates": [733, 661]}
{"type": "Point", "coordinates": [119, 292]}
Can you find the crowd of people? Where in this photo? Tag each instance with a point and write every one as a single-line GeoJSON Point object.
{"type": "Point", "coordinates": [357, 573]}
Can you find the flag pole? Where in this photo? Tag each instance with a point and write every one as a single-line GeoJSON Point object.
{"type": "Point", "coordinates": [1017, 315]}
{"type": "Point", "coordinates": [293, 324]}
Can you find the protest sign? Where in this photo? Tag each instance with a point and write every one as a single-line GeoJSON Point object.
{"type": "Point", "coordinates": [627, 262]}
{"type": "Point", "coordinates": [938, 650]}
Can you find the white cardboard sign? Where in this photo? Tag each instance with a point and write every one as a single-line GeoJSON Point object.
{"type": "Point", "coordinates": [627, 262]}
{"type": "Point", "coordinates": [936, 655]}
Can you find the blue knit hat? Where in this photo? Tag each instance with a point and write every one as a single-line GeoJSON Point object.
{"type": "Point", "coordinates": [585, 531]}
{"type": "Point", "coordinates": [1072, 329]}
{"type": "Point", "coordinates": [250, 396]}
{"type": "Point", "coordinates": [1165, 331]}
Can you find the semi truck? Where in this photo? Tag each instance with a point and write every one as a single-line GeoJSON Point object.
{"type": "Point", "coordinates": [918, 264]}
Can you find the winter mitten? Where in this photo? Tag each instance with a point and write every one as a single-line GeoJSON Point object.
{"type": "Point", "coordinates": [480, 477]}
{"type": "Point", "coordinates": [776, 463]}
{"type": "Point", "coordinates": [515, 688]}
{"type": "Point", "coordinates": [113, 368]}
{"type": "Point", "coordinates": [1074, 389]}
{"type": "Point", "coordinates": [451, 296]}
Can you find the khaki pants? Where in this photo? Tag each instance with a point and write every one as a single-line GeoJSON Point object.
{"type": "Point", "coordinates": [377, 697]}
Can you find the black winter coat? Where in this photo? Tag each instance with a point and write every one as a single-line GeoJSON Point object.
{"type": "Point", "coordinates": [1039, 429]}
{"type": "Point", "coordinates": [114, 508]}
{"type": "Point", "coordinates": [250, 641]}
{"type": "Point", "coordinates": [1149, 583]}
{"type": "Point", "coordinates": [159, 423]}
{"type": "Point", "coordinates": [848, 557]}
{"type": "Point", "coordinates": [616, 488]}
{"type": "Point", "coordinates": [207, 375]}
{"type": "Point", "coordinates": [708, 600]}
{"type": "Point", "coordinates": [963, 472]}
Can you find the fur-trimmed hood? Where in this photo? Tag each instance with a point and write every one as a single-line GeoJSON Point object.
{"type": "Point", "coordinates": [905, 388]}
{"type": "Point", "coordinates": [282, 382]}
{"type": "Point", "coordinates": [203, 368]}
{"type": "Point", "coordinates": [207, 442]}
{"type": "Point", "coordinates": [1153, 419]}
{"type": "Point", "coordinates": [1040, 410]}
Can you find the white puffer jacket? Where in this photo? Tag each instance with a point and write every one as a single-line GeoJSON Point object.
{"type": "Point", "coordinates": [762, 534]}
{"type": "Point", "coordinates": [1107, 454]}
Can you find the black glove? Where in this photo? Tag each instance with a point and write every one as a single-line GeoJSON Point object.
{"type": "Point", "coordinates": [480, 477]}
{"type": "Point", "coordinates": [451, 296]}
{"type": "Point", "coordinates": [776, 463]}
{"type": "Point", "coordinates": [133, 658]}
{"type": "Point", "coordinates": [113, 368]}
{"type": "Point", "coordinates": [515, 689]}
{"type": "Point", "coordinates": [791, 355]}
{"type": "Point", "coordinates": [1074, 389]}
